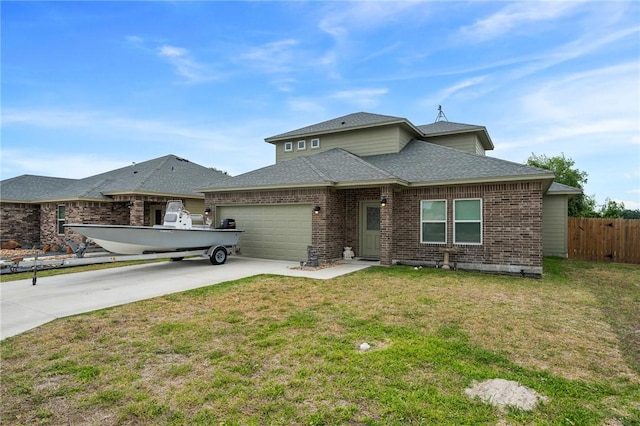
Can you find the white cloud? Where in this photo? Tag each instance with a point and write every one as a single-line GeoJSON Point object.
{"type": "Point", "coordinates": [362, 98]}
{"type": "Point", "coordinates": [313, 107]}
{"type": "Point", "coordinates": [603, 100]}
{"type": "Point", "coordinates": [56, 164]}
{"type": "Point", "coordinates": [185, 65]}
{"type": "Point", "coordinates": [274, 57]}
{"type": "Point", "coordinates": [118, 127]}
{"type": "Point", "coordinates": [513, 16]}
{"type": "Point", "coordinates": [344, 18]}
{"type": "Point", "coordinates": [450, 91]}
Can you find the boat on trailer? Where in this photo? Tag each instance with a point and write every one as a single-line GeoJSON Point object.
{"type": "Point", "coordinates": [177, 233]}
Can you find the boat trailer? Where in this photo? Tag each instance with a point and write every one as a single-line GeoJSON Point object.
{"type": "Point", "coordinates": [217, 256]}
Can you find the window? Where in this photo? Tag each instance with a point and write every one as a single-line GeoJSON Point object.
{"type": "Point", "coordinates": [60, 219]}
{"type": "Point", "coordinates": [434, 221]}
{"type": "Point", "coordinates": [467, 221]}
{"type": "Point", "coordinates": [302, 145]}
{"type": "Point", "coordinates": [315, 143]}
{"type": "Point", "coordinates": [288, 146]}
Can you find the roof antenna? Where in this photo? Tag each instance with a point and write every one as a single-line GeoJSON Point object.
{"type": "Point", "coordinates": [441, 116]}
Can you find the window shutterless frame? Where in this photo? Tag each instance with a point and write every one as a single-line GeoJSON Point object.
{"type": "Point", "coordinates": [288, 146]}
{"type": "Point", "coordinates": [61, 218]}
{"type": "Point", "coordinates": [433, 221]}
{"type": "Point", "coordinates": [467, 221]}
{"type": "Point", "coordinates": [315, 143]}
{"type": "Point", "coordinates": [302, 145]}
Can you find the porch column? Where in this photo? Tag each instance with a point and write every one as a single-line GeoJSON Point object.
{"type": "Point", "coordinates": [386, 225]}
{"type": "Point", "coordinates": [136, 213]}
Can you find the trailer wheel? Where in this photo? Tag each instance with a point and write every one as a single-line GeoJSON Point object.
{"type": "Point", "coordinates": [219, 256]}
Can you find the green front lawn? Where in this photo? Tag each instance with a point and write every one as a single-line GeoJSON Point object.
{"type": "Point", "coordinates": [285, 351]}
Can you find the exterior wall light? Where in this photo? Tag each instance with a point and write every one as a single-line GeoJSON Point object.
{"type": "Point", "coordinates": [207, 211]}
{"type": "Point", "coordinates": [383, 202]}
{"type": "Point", "coordinates": [316, 209]}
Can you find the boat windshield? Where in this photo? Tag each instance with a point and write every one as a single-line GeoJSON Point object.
{"type": "Point", "coordinates": [174, 206]}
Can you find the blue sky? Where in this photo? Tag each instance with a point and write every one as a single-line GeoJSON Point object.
{"type": "Point", "coordinates": [88, 87]}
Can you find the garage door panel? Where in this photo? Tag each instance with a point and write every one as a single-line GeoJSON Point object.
{"type": "Point", "coordinates": [272, 232]}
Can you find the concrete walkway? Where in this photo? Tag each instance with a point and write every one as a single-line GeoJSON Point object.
{"type": "Point", "coordinates": [25, 306]}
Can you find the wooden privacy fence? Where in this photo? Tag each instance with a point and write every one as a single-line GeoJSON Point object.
{"type": "Point", "coordinates": [605, 240]}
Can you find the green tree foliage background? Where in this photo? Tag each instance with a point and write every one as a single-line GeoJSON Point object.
{"type": "Point", "coordinates": [581, 205]}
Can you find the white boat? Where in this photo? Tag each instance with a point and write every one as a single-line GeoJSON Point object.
{"type": "Point", "coordinates": [177, 233]}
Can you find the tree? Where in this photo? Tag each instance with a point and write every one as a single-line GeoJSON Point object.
{"type": "Point", "coordinates": [612, 209]}
{"type": "Point", "coordinates": [631, 214]}
{"type": "Point", "coordinates": [580, 205]}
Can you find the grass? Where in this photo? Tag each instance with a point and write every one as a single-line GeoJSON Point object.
{"type": "Point", "coordinates": [282, 350]}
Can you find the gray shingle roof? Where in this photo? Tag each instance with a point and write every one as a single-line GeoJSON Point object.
{"type": "Point", "coordinates": [561, 188]}
{"type": "Point", "coordinates": [425, 162]}
{"type": "Point", "coordinates": [440, 128]}
{"type": "Point", "coordinates": [418, 163]}
{"type": "Point", "coordinates": [351, 121]}
{"type": "Point", "coordinates": [168, 175]}
{"type": "Point", "coordinates": [325, 168]}
{"type": "Point", "coordinates": [29, 187]}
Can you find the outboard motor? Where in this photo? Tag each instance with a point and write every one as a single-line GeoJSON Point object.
{"type": "Point", "coordinates": [227, 224]}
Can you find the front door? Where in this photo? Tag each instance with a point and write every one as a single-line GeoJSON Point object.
{"type": "Point", "coordinates": [370, 229]}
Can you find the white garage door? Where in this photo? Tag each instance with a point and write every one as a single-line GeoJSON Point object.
{"type": "Point", "coordinates": [272, 232]}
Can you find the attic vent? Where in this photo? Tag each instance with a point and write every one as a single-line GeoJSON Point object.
{"type": "Point", "coordinates": [182, 159]}
{"type": "Point", "coordinates": [343, 123]}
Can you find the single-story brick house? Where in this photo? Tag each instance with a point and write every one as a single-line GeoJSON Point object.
{"type": "Point", "coordinates": [396, 192]}
{"type": "Point", "coordinates": [34, 208]}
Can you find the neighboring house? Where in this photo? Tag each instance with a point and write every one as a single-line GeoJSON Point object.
{"type": "Point", "coordinates": [35, 208]}
{"type": "Point", "coordinates": [395, 192]}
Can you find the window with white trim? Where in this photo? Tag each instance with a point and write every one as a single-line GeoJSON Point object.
{"type": "Point", "coordinates": [288, 146]}
{"type": "Point", "coordinates": [467, 221]}
{"type": "Point", "coordinates": [60, 217]}
{"type": "Point", "coordinates": [433, 218]}
{"type": "Point", "coordinates": [315, 143]}
{"type": "Point", "coordinates": [302, 145]}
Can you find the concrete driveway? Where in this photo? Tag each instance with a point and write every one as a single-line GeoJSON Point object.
{"type": "Point", "coordinates": [25, 306]}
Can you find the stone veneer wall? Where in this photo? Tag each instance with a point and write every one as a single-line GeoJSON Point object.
{"type": "Point", "coordinates": [20, 222]}
{"type": "Point", "coordinates": [511, 221]}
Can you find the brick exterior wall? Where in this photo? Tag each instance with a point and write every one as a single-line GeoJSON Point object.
{"type": "Point", "coordinates": [35, 225]}
{"type": "Point", "coordinates": [20, 222]}
{"type": "Point", "coordinates": [511, 222]}
{"type": "Point", "coordinates": [79, 212]}
{"type": "Point", "coordinates": [353, 198]}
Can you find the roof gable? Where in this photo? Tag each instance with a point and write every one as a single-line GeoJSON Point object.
{"type": "Point", "coordinates": [348, 122]}
{"type": "Point", "coordinates": [443, 128]}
